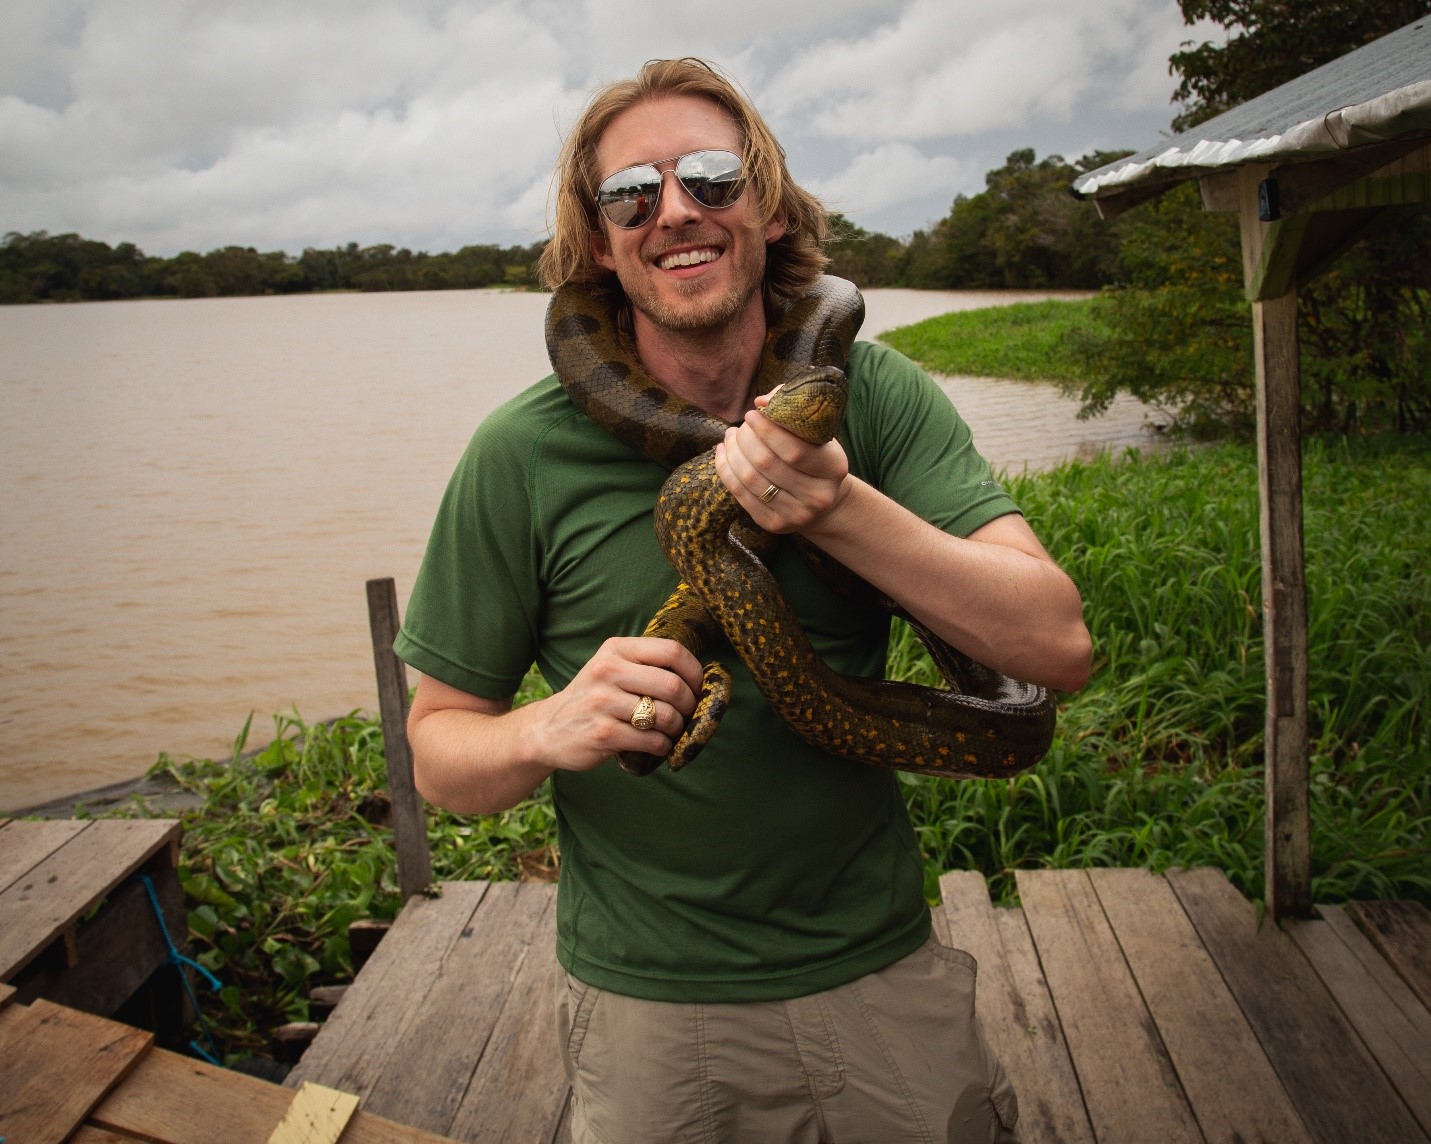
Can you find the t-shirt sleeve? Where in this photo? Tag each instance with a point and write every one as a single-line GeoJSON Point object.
{"type": "Point", "coordinates": [473, 615]}
{"type": "Point", "coordinates": [905, 437]}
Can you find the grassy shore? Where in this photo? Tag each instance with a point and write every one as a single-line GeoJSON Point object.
{"type": "Point", "coordinates": [1028, 341]}
{"type": "Point", "coordinates": [1157, 762]}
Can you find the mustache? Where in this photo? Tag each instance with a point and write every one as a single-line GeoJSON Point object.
{"type": "Point", "coordinates": [691, 237]}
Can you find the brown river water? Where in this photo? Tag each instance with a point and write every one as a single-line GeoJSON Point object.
{"type": "Point", "coordinates": [194, 493]}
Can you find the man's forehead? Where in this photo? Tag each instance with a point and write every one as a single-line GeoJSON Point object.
{"type": "Point", "coordinates": [662, 127]}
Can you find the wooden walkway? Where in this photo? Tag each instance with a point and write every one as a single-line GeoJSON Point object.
{"type": "Point", "coordinates": [1124, 1006]}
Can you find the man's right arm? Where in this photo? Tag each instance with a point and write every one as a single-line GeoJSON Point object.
{"type": "Point", "coordinates": [479, 756]}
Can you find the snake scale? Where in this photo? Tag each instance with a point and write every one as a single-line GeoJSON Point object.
{"type": "Point", "coordinates": [984, 726]}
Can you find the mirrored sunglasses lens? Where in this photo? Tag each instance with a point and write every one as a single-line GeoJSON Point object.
{"type": "Point", "coordinates": [713, 178]}
{"type": "Point", "coordinates": [628, 198]}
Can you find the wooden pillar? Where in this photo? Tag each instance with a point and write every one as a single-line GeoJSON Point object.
{"type": "Point", "coordinates": [1287, 883]}
{"type": "Point", "coordinates": [1269, 257]}
{"type": "Point", "coordinates": [414, 860]}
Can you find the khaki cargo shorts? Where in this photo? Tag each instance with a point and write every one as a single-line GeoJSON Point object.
{"type": "Point", "coordinates": [895, 1056]}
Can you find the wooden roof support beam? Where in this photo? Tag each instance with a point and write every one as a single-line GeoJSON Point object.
{"type": "Point", "coordinates": [1269, 256]}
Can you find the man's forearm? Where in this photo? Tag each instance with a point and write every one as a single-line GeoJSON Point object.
{"type": "Point", "coordinates": [996, 596]}
{"type": "Point", "coordinates": [471, 762]}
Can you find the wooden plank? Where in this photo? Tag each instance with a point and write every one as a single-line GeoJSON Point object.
{"type": "Point", "coordinates": [7, 994]}
{"type": "Point", "coordinates": [433, 1060]}
{"type": "Point", "coordinates": [184, 1101]}
{"type": "Point", "coordinates": [519, 1091]}
{"type": "Point", "coordinates": [1392, 1023]}
{"type": "Point", "coordinates": [1402, 932]}
{"type": "Point", "coordinates": [353, 1047]}
{"type": "Point", "coordinates": [316, 1115]}
{"type": "Point", "coordinates": [1336, 1086]}
{"type": "Point", "coordinates": [1231, 1085]}
{"type": "Point", "coordinates": [1015, 1010]}
{"type": "Point", "coordinates": [115, 952]}
{"type": "Point", "coordinates": [1129, 1086]}
{"type": "Point", "coordinates": [1287, 835]}
{"type": "Point", "coordinates": [40, 905]}
{"type": "Point", "coordinates": [24, 845]}
{"type": "Point", "coordinates": [56, 1064]}
{"type": "Point", "coordinates": [414, 859]}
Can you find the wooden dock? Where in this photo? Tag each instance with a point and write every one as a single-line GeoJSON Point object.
{"type": "Point", "coordinates": [1124, 1007]}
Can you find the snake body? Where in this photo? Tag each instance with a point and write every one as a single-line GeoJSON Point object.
{"type": "Point", "coordinates": [986, 725]}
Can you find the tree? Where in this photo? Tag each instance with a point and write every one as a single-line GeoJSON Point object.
{"type": "Point", "coordinates": [1023, 230]}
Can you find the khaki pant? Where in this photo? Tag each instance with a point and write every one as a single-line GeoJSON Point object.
{"type": "Point", "coordinates": [895, 1056]}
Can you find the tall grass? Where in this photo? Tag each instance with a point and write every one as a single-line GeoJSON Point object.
{"type": "Point", "coordinates": [1157, 762]}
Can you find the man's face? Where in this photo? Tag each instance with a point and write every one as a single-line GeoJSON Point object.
{"type": "Point", "coordinates": [726, 248]}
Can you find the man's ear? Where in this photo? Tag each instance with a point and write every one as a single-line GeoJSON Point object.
{"type": "Point", "coordinates": [775, 229]}
{"type": "Point", "coordinates": [601, 250]}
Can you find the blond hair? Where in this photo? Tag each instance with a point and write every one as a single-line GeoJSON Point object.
{"type": "Point", "coordinates": [793, 262]}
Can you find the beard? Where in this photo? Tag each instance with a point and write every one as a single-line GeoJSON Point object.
{"type": "Point", "coordinates": [697, 308]}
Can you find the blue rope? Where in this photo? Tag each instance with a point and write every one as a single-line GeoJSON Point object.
{"type": "Point", "coordinates": [178, 961]}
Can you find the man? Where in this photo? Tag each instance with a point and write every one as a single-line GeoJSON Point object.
{"type": "Point", "coordinates": [746, 944]}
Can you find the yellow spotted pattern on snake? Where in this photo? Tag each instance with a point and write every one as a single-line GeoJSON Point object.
{"type": "Point", "coordinates": [985, 725]}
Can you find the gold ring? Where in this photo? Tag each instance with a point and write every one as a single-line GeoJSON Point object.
{"type": "Point", "coordinates": [770, 494]}
{"type": "Point", "coordinates": [644, 717]}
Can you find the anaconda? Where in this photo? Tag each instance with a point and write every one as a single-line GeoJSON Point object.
{"type": "Point", "coordinates": [986, 725]}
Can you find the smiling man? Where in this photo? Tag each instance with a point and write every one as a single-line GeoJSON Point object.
{"type": "Point", "coordinates": [746, 948]}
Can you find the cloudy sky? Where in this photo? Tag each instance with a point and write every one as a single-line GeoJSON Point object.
{"type": "Point", "coordinates": [192, 124]}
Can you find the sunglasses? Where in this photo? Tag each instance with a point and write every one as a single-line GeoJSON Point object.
{"type": "Point", "coordinates": [715, 179]}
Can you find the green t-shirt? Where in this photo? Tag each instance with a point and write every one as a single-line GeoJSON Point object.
{"type": "Point", "coordinates": [765, 869]}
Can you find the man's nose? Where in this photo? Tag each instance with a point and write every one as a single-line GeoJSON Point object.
{"type": "Point", "coordinates": [676, 208]}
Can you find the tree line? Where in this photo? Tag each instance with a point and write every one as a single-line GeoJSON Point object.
{"type": "Point", "coordinates": [42, 267]}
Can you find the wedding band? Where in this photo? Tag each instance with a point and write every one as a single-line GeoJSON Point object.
{"type": "Point", "coordinates": [644, 717]}
{"type": "Point", "coordinates": [770, 494]}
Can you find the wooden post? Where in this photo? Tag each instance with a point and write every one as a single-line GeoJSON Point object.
{"type": "Point", "coordinates": [1284, 606]}
{"type": "Point", "coordinates": [414, 862]}
{"type": "Point", "coordinates": [1269, 259]}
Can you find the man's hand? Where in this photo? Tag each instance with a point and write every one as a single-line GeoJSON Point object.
{"type": "Point", "coordinates": [478, 756]}
{"type": "Point", "coordinates": [811, 479]}
{"type": "Point", "coordinates": [589, 720]}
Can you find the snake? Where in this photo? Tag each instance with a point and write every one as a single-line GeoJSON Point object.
{"type": "Point", "coordinates": [982, 724]}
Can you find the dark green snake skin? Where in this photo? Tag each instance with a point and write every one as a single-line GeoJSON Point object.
{"type": "Point", "coordinates": [985, 726]}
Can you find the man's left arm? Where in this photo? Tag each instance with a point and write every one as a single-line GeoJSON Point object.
{"type": "Point", "coordinates": [996, 595]}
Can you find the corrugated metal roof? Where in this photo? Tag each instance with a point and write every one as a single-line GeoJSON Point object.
{"type": "Point", "coordinates": [1380, 91]}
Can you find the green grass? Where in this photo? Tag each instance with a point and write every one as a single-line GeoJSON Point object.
{"type": "Point", "coordinates": [1028, 341]}
{"type": "Point", "coordinates": [1156, 763]}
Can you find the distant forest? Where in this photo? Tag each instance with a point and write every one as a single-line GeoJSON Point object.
{"type": "Point", "coordinates": [1023, 230]}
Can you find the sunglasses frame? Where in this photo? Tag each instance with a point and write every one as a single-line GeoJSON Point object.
{"type": "Point", "coordinates": [655, 165]}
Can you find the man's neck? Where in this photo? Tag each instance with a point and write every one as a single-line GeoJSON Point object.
{"type": "Point", "coordinates": [712, 369]}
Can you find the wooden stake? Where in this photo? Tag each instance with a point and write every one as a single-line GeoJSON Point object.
{"type": "Point", "coordinates": [414, 860]}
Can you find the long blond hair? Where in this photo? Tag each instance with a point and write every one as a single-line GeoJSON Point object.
{"type": "Point", "coordinates": [793, 262]}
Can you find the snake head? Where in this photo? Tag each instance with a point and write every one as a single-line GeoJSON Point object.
{"type": "Point", "coordinates": [810, 403]}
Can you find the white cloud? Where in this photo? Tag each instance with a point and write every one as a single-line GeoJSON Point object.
{"type": "Point", "coordinates": [190, 124]}
{"type": "Point", "coordinates": [889, 175]}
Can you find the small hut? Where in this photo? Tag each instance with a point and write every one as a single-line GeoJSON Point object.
{"type": "Point", "coordinates": [1306, 167]}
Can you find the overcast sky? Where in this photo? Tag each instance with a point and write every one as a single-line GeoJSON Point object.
{"type": "Point", "coordinates": [192, 124]}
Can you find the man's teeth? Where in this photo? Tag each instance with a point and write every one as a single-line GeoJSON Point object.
{"type": "Point", "coordinates": [688, 258]}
